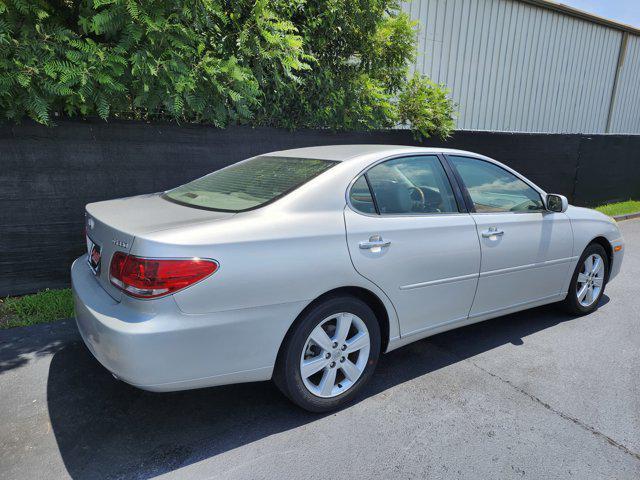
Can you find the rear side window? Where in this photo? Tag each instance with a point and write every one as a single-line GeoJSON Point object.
{"type": "Point", "coordinates": [407, 185]}
{"type": "Point", "coordinates": [248, 185]}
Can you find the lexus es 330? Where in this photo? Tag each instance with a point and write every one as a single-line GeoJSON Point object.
{"type": "Point", "coordinates": [304, 265]}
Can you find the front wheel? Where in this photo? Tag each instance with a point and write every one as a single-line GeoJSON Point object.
{"type": "Point", "coordinates": [588, 281]}
{"type": "Point", "coordinates": [330, 354]}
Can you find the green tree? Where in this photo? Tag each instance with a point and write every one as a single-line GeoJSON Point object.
{"type": "Point", "coordinates": [337, 64]}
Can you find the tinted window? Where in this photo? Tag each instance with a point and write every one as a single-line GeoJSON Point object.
{"type": "Point", "coordinates": [360, 196]}
{"type": "Point", "coordinates": [412, 185]}
{"type": "Point", "coordinates": [249, 184]}
{"type": "Point", "coordinates": [493, 189]}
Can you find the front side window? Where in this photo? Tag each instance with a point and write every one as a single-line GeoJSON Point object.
{"type": "Point", "coordinates": [409, 185]}
{"type": "Point", "coordinates": [249, 184]}
{"type": "Point", "coordinates": [493, 189]}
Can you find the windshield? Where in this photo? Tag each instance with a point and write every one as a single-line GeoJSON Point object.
{"type": "Point", "coordinates": [250, 184]}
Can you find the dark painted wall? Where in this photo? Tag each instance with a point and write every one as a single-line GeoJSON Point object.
{"type": "Point", "coordinates": [47, 175]}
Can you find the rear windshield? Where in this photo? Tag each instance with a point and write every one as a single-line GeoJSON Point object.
{"type": "Point", "coordinates": [250, 184]}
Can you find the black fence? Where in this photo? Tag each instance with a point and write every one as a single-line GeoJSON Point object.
{"type": "Point", "coordinates": [47, 175]}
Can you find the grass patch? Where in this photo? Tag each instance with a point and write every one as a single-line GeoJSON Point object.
{"type": "Point", "coordinates": [41, 307]}
{"type": "Point", "coordinates": [620, 208]}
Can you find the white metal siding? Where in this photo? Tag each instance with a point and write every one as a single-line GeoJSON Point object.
{"type": "Point", "coordinates": [512, 66]}
{"type": "Point", "coordinates": [626, 111]}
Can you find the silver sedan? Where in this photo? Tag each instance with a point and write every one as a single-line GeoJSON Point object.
{"type": "Point", "coordinates": [302, 266]}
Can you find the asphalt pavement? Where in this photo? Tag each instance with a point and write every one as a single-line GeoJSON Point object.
{"type": "Point", "coordinates": [537, 394]}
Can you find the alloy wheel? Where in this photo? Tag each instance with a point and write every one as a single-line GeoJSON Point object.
{"type": "Point", "coordinates": [590, 280]}
{"type": "Point", "coordinates": [335, 354]}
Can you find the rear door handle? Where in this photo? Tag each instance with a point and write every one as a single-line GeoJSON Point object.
{"type": "Point", "coordinates": [374, 241]}
{"type": "Point", "coordinates": [493, 231]}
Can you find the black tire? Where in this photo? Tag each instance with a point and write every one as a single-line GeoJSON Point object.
{"type": "Point", "coordinates": [571, 303]}
{"type": "Point", "coordinates": [287, 375]}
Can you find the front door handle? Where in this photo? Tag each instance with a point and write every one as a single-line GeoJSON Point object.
{"type": "Point", "coordinates": [375, 241]}
{"type": "Point", "coordinates": [493, 231]}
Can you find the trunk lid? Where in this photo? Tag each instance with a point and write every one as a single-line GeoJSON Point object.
{"type": "Point", "coordinates": [113, 225]}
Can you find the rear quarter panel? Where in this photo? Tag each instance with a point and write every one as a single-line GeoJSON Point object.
{"type": "Point", "coordinates": [267, 257]}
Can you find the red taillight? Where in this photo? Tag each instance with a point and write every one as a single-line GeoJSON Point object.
{"type": "Point", "coordinates": [154, 277]}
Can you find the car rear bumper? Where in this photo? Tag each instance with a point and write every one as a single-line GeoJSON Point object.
{"type": "Point", "coordinates": [155, 346]}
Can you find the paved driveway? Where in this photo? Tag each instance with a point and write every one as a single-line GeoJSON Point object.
{"type": "Point", "coordinates": [536, 394]}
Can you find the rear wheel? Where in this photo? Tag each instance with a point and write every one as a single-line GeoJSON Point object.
{"type": "Point", "coordinates": [330, 354]}
{"type": "Point", "coordinates": [588, 281]}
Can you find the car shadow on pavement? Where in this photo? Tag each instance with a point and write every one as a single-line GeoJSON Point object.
{"type": "Point", "coordinates": [19, 345]}
{"type": "Point", "coordinates": [107, 429]}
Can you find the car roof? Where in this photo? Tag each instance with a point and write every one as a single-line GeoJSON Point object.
{"type": "Point", "coordinates": [346, 152]}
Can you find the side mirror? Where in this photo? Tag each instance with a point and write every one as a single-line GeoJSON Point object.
{"type": "Point", "coordinates": [557, 203]}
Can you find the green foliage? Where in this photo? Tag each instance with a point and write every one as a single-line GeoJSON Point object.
{"type": "Point", "coordinates": [337, 64]}
{"type": "Point", "coordinates": [45, 306]}
{"type": "Point", "coordinates": [620, 208]}
{"type": "Point", "coordinates": [424, 105]}
{"type": "Point", "coordinates": [362, 49]}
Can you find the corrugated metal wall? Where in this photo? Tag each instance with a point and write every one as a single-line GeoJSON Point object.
{"type": "Point", "coordinates": [513, 66]}
{"type": "Point", "coordinates": [626, 110]}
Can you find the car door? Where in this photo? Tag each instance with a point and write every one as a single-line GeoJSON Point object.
{"type": "Point", "coordinates": [526, 250]}
{"type": "Point", "coordinates": [409, 234]}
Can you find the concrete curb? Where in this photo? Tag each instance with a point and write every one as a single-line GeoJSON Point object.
{"type": "Point", "coordinates": [628, 216]}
